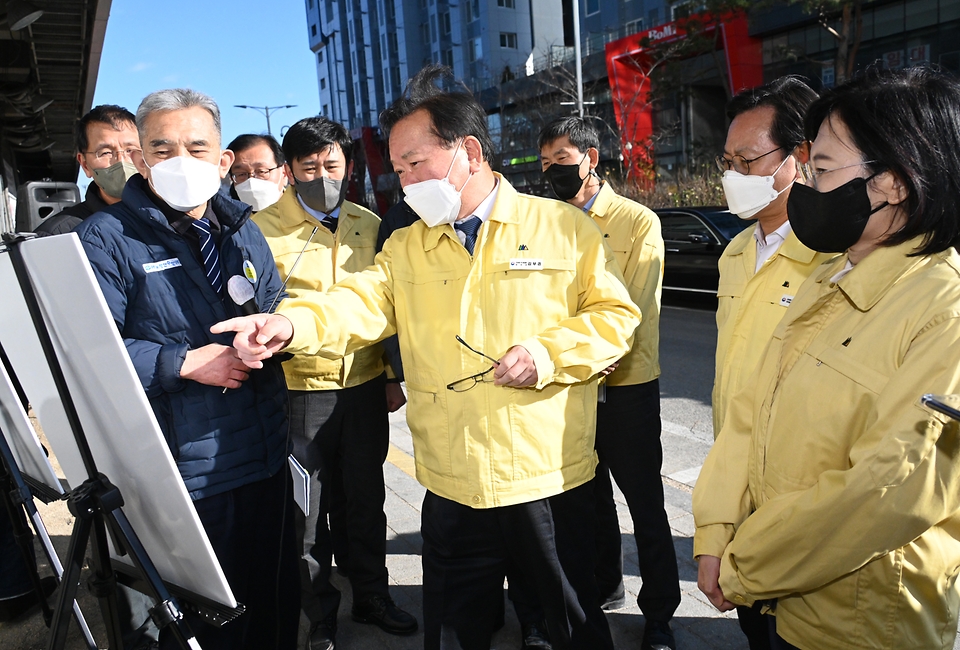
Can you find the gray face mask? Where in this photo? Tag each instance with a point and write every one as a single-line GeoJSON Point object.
{"type": "Point", "coordinates": [322, 194]}
{"type": "Point", "coordinates": [113, 178]}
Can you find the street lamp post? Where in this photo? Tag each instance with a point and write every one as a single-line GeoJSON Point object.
{"type": "Point", "coordinates": [265, 110]}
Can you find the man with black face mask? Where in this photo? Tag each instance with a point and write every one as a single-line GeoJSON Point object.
{"type": "Point", "coordinates": [338, 407]}
{"type": "Point", "coordinates": [628, 420]}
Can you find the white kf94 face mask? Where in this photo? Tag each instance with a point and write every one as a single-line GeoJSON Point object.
{"type": "Point", "coordinates": [184, 182]}
{"type": "Point", "coordinates": [748, 195]}
{"type": "Point", "coordinates": [258, 193]}
{"type": "Point", "coordinates": [436, 201]}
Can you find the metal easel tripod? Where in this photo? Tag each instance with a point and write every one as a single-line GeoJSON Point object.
{"type": "Point", "coordinates": [96, 504]}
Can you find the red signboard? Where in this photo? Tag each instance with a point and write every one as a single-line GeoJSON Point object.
{"type": "Point", "coordinates": [629, 61]}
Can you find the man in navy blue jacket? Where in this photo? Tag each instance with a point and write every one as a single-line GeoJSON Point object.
{"type": "Point", "coordinates": [164, 257]}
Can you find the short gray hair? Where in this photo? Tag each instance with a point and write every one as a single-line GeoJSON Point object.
{"type": "Point", "coordinates": [176, 99]}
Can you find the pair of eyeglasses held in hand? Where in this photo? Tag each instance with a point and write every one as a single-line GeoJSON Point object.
{"type": "Point", "coordinates": [465, 384]}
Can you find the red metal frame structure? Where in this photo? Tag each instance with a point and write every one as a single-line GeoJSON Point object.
{"type": "Point", "coordinates": [628, 63]}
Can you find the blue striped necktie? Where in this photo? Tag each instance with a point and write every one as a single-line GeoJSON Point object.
{"type": "Point", "coordinates": [469, 227]}
{"type": "Point", "coordinates": [208, 251]}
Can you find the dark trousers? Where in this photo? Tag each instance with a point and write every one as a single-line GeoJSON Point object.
{"type": "Point", "coordinates": [761, 629]}
{"type": "Point", "coordinates": [14, 570]}
{"type": "Point", "coordinates": [628, 444]}
{"type": "Point", "coordinates": [466, 553]}
{"type": "Point", "coordinates": [341, 437]}
{"type": "Point", "coordinates": [251, 531]}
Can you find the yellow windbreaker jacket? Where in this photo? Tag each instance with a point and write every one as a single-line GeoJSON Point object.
{"type": "Point", "coordinates": [750, 304]}
{"type": "Point", "coordinates": [830, 488]}
{"type": "Point", "coordinates": [328, 259]}
{"type": "Point", "coordinates": [540, 277]}
{"type": "Point", "coordinates": [633, 232]}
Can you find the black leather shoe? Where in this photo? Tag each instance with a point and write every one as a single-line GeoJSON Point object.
{"type": "Point", "coordinates": [384, 613]}
{"type": "Point", "coordinates": [13, 608]}
{"type": "Point", "coordinates": [323, 635]}
{"type": "Point", "coordinates": [657, 635]}
{"type": "Point", "coordinates": [534, 637]}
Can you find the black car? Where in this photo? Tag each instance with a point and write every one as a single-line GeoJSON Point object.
{"type": "Point", "coordinates": [695, 238]}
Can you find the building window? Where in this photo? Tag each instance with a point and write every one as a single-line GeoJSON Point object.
{"type": "Point", "coordinates": [474, 9]}
{"type": "Point", "coordinates": [320, 56]}
{"type": "Point", "coordinates": [392, 39]}
{"type": "Point", "coordinates": [593, 6]}
{"type": "Point", "coordinates": [323, 84]}
{"type": "Point", "coordinates": [395, 76]}
{"type": "Point", "coordinates": [445, 23]}
{"type": "Point", "coordinates": [635, 26]}
{"type": "Point", "coordinates": [508, 40]}
{"type": "Point", "coordinates": [654, 17]}
{"type": "Point", "coordinates": [446, 57]}
{"type": "Point", "coordinates": [313, 30]}
{"type": "Point", "coordinates": [311, 4]}
{"type": "Point", "coordinates": [474, 50]}
{"type": "Point", "coordinates": [509, 4]}
{"type": "Point", "coordinates": [424, 33]}
{"type": "Point", "coordinates": [433, 28]}
{"type": "Point", "coordinates": [325, 109]}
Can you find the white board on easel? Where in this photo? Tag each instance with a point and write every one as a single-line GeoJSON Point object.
{"type": "Point", "coordinates": [121, 430]}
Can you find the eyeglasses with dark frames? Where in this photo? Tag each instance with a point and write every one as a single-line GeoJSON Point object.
{"type": "Point", "coordinates": [465, 384]}
{"type": "Point", "coordinates": [740, 164]}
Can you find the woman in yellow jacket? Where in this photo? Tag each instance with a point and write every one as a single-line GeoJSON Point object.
{"type": "Point", "coordinates": [831, 496]}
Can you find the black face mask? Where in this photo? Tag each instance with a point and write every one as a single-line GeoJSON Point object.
{"type": "Point", "coordinates": [830, 222]}
{"type": "Point", "coordinates": [565, 179]}
{"type": "Point", "coordinates": [322, 194]}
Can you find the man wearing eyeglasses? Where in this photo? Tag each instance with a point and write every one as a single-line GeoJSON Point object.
{"type": "Point", "coordinates": [338, 407]}
{"type": "Point", "coordinates": [763, 267]}
{"type": "Point", "coordinates": [107, 145]}
{"type": "Point", "coordinates": [256, 175]}
{"type": "Point", "coordinates": [507, 307]}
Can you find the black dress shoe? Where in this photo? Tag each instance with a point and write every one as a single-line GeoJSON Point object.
{"type": "Point", "coordinates": [534, 637]}
{"type": "Point", "coordinates": [384, 613]}
{"type": "Point", "coordinates": [657, 635]}
{"type": "Point", "coordinates": [13, 608]}
{"type": "Point", "coordinates": [323, 635]}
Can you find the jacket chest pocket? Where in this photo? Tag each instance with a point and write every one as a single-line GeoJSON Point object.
{"type": "Point", "coordinates": [427, 306]}
{"type": "Point", "coordinates": [622, 256]}
{"type": "Point", "coordinates": [545, 287]}
{"type": "Point", "coordinates": [730, 287]}
{"type": "Point", "coordinates": [820, 412]}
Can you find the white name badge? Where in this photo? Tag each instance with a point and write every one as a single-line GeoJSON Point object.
{"type": "Point", "coordinates": [526, 264]}
{"type": "Point", "coordinates": [153, 267]}
{"type": "Point", "coordinates": [786, 300]}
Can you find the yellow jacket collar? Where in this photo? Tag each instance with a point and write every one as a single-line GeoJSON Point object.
{"type": "Point", "coordinates": [869, 280]}
{"type": "Point", "coordinates": [791, 247]}
{"type": "Point", "coordinates": [504, 211]}
{"type": "Point", "coordinates": [603, 201]}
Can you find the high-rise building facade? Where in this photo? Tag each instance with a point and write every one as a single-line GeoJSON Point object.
{"type": "Point", "coordinates": [366, 50]}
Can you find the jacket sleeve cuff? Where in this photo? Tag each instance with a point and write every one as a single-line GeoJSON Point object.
{"type": "Point", "coordinates": [303, 323]}
{"type": "Point", "coordinates": [712, 539]}
{"type": "Point", "coordinates": [169, 362]}
{"type": "Point", "coordinates": [730, 584]}
{"type": "Point", "coordinates": [541, 359]}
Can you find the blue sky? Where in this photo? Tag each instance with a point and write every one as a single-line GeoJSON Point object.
{"type": "Point", "coordinates": [239, 52]}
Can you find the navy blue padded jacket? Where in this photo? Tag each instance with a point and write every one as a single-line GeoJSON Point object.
{"type": "Point", "coordinates": [164, 305]}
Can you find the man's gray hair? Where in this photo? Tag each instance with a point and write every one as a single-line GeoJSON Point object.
{"type": "Point", "coordinates": [176, 99]}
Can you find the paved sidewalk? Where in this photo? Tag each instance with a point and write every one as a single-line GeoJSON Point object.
{"type": "Point", "coordinates": [698, 626]}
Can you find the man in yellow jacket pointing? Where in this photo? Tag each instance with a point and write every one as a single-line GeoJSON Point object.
{"type": "Point", "coordinates": [507, 306]}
